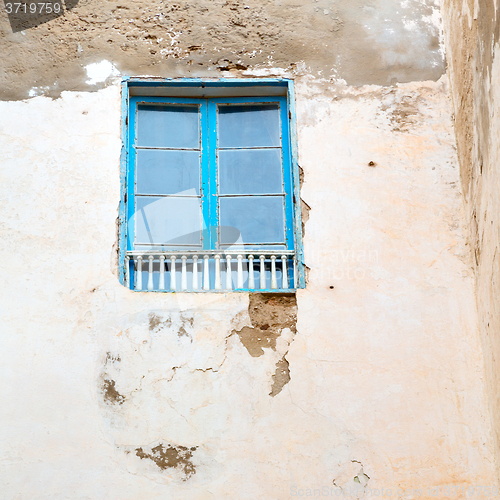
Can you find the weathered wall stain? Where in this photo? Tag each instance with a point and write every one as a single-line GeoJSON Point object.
{"type": "Point", "coordinates": [383, 42]}
{"type": "Point", "coordinates": [112, 358]}
{"type": "Point", "coordinates": [155, 321]}
{"type": "Point", "coordinates": [472, 30]}
{"type": "Point", "coordinates": [304, 207]}
{"type": "Point", "coordinates": [269, 314]}
{"type": "Point", "coordinates": [167, 456]}
{"type": "Point", "coordinates": [110, 394]}
{"type": "Point", "coordinates": [158, 323]}
{"type": "Point", "coordinates": [186, 327]}
{"type": "Point", "coordinates": [403, 111]}
{"type": "Point", "coordinates": [351, 478]}
{"type": "Point", "coordinates": [281, 377]}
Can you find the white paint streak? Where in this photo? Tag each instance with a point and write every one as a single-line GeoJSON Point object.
{"type": "Point", "coordinates": [36, 91]}
{"type": "Point", "coordinates": [436, 21]}
{"type": "Point", "coordinates": [410, 25]}
{"type": "Point", "coordinates": [100, 72]}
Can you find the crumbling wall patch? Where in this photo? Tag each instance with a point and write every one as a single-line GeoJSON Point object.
{"type": "Point", "coordinates": [168, 456]}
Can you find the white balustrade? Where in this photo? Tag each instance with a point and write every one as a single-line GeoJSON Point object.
{"type": "Point", "coordinates": [262, 273]}
{"type": "Point", "coordinates": [162, 273]}
{"type": "Point", "coordinates": [195, 272]}
{"type": "Point", "coordinates": [150, 273]}
{"type": "Point", "coordinates": [229, 281]}
{"type": "Point", "coordinates": [251, 276]}
{"type": "Point", "coordinates": [139, 272]}
{"type": "Point", "coordinates": [206, 273]}
{"type": "Point", "coordinates": [284, 272]}
{"type": "Point", "coordinates": [218, 284]}
{"type": "Point", "coordinates": [184, 280]}
{"type": "Point", "coordinates": [173, 284]}
{"type": "Point", "coordinates": [239, 283]}
{"type": "Point", "coordinates": [274, 282]}
{"type": "Point", "coordinates": [275, 261]}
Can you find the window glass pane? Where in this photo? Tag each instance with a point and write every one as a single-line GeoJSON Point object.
{"type": "Point", "coordinates": [250, 171]}
{"type": "Point", "coordinates": [168, 220]}
{"type": "Point", "coordinates": [168, 126]}
{"type": "Point", "coordinates": [167, 172]}
{"type": "Point", "coordinates": [249, 126]}
{"type": "Point", "coordinates": [259, 219]}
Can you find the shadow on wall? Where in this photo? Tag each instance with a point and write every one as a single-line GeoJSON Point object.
{"type": "Point", "coordinates": [23, 16]}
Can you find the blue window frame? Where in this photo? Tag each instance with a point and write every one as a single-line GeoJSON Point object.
{"type": "Point", "coordinates": [209, 193]}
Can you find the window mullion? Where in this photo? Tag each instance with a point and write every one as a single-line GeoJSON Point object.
{"type": "Point", "coordinates": [205, 179]}
{"type": "Point", "coordinates": [212, 171]}
{"type": "Point", "coordinates": [131, 176]}
{"type": "Point", "coordinates": [287, 179]}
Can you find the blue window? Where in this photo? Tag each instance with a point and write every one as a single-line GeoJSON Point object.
{"type": "Point", "coordinates": [209, 192]}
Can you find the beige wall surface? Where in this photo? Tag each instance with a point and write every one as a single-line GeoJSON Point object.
{"type": "Point", "coordinates": [110, 393]}
{"type": "Point", "coordinates": [370, 382]}
{"type": "Point", "coordinates": [473, 46]}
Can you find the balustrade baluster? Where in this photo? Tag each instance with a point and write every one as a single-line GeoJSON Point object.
{"type": "Point", "coordinates": [150, 272]}
{"type": "Point", "coordinates": [262, 272]}
{"type": "Point", "coordinates": [184, 273]}
{"type": "Point", "coordinates": [284, 272]}
{"type": "Point", "coordinates": [139, 272]}
{"type": "Point", "coordinates": [295, 277]}
{"type": "Point", "coordinates": [173, 283]}
{"type": "Point", "coordinates": [195, 272]}
{"type": "Point", "coordinates": [161, 284]}
{"type": "Point", "coordinates": [229, 281]}
{"type": "Point", "coordinates": [240, 272]}
{"type": "Point", "coordinates": [274, 282]}
{"type": "Point", "coordinates": [251, 277]}
{"type": "Point", "coordinates": [206, 273]}
{"type": "Point", "coordinates": [218, 284]}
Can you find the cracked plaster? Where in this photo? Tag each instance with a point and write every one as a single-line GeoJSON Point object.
{"type": "Point", "coordinates": [385, 366]}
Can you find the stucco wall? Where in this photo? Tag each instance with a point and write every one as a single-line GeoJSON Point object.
{"type": "Point", "coordinates": [110, 393]}
{"type": "Point", "coordinates": [473, 44]}
{"type": "Point", "coordinates": [371, 378]}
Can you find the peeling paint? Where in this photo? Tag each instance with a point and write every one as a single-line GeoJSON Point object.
{"type": "Point", "coordinates": [109, 391]}
{"type": "Point", "coordinates": [167, 456]}
{"type": "Point", "coordinates": [156, 322]}
{"type": "Point", "coordinates": [269, 315]}
{"type": "Point", "coordinates": [281, 377]}
{"type": "Point", "coordinates": [111, 395]}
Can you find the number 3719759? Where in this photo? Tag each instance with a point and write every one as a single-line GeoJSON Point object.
{"type": "Point", "coordinates": [33, 8]}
